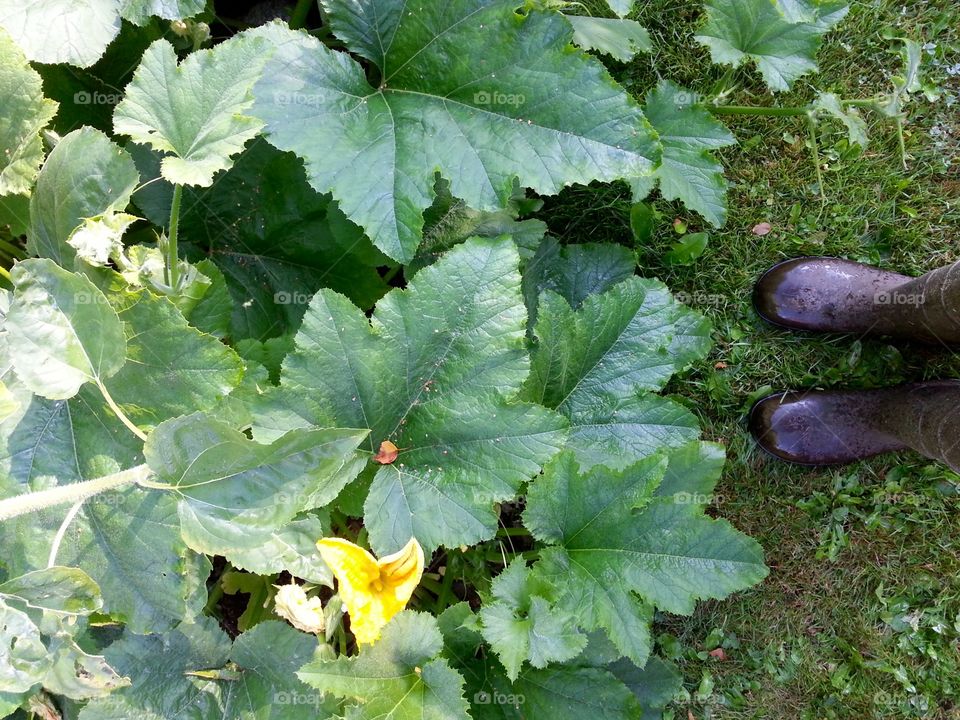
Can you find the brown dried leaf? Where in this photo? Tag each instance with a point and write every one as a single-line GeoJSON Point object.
{"type": "Point", "coordinates": [388, 453]}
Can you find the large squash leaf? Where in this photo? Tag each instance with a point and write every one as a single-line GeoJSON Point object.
{"type": "Point", "coordinates": [25, 113]}
{"type": "Point", "coordinates": [688, 171]}
{"type": "Point", "coordinates": [277, 241]}
{"type": "Point", "coordinates": [431, 371]}
{"type": "Point", "coordinates": [194, 672]}
{"type": "Point", "coordinates": [467, 87]}
{"type": "Point", "coordinates": [62, 331]}
{"type": "Point", "coordinates": [617, 548]}
{"type": "Point", "coordinates": [127, 541]}
{"type": "Point", "coordinates": [195, 110]}
{"type": "Point", "coordinates": [600, 365]}
{"type": "Point", "coordinates": [782, 39]}
{"type": "Point", "coordinates": [234, 493]}
{"type": "Point", "coordinates": [61, 31]}
{"type": "Point", "coordinates": [40, 615]}
{"type": "Point", "coordinates": [86, 175]}
{"type": "Point", "coordinates": [400, 677]}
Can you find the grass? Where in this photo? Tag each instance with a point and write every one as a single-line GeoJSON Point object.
{"type": "Point", "coordinates": [860, 617]}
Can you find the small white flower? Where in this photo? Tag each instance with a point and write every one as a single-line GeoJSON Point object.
{"type": "Point", "coordinates": [303, 613]}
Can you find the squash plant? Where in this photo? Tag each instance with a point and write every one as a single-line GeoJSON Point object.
{"type": "Point", "coordinates": [286, 289]}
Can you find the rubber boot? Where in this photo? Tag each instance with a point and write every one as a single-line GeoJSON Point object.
{"type": "Point", "coordinates": [841, 296]}
{"type": "Point", "coordinates": [838, 427]}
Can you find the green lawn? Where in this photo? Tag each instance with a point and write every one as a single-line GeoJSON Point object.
{"type": "Point", "coordinates": [860, 617]}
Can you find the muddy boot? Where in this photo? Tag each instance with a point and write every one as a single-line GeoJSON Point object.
{"type": "Point", "coordinates": [841, 296]}
{"type": "Point", "coordinates": [836, 427]}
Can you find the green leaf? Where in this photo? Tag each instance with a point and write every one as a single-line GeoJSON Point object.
{"type": "Point", "coordinates": [688, 171]}
{"type": "Point", "coordinates": [25, 659]}
{"type": "Point", "coordinates": [522, 625]}
{"type": "Point", "coordinates": [400, 677]}
{"type": "Point", "coordinates": [574, 271]}
{"type": "Point", "coordinates": [26, 112]}
{"type": "Point", "coordinates": [432, 372]}
{"type": "Point", "coordinates": [620, 39]}
{"type": "Point", "coordinates": [194, 673]}
{"type": "Point", "coordinates": [269, 655]}
{"type": "Point", "coordinates": [195, 110]}
{"type": "Point", "coordinates": [617, 548]}
{"type": "Point", "coordinates": [642, 221]}
{"type": "Point", "coordinates": [62, 331]}
{"type": "Point", "coordinates": [61, 31]}
{"type": "Point", "coordinates": [783, 48]}
{"type": "Point", "coordinates": [139, 12]}
{"type": "Point", "coordinates": [159, 667]}
{"type": "Point", "coordinates": [127, 541]}
{"type": "Point", "coordinates": [276, 241]}
{"type": "Point", "coordinates": [172, 368]}
{"type": "Point", "coordinates": [822, 13]}
{"type": "Point", "coordinates": [39, 614]}
{"type": "Point", "coordinates": [829, 104]}
{"type": "Point", "coordinates": [293, 548]}
{"type": "Point", "coordinates": [260, 591]}
{"type": "Point", "coordinates": [598, 366]}
{"type": "Point", "coordinates": [541, 114]}
{"type": "Point", "coordinates": [688, 249]}
{"type": "Point", "coordinates": [654, 685]}
{"type": "Point", "coordinates": [693, 470]}
{"type": "Point", "coordinates": [621, 7]}
{"type": "Point", "coordinates": [575, 692]}
{"type": "Point", "coordinates": [234, 492]}
{"type": "Point", "coordinates": [58, 591]}
{"type": "Point", "coordinates": [85, 176]}
{"type": "Point", "coordinates": [450, 221]}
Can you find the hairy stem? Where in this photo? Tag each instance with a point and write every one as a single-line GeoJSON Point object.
{"type": "Point", "coordinates": [172, 274]}
{"type": "Point", "coordinates": [72, 493]}
{"type": "Point", "coordinates": [757, 111]}
{"type": "Point", "coordinates": [815, 150]}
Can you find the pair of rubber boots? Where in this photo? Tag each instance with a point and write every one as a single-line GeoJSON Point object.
{"type": "Point", "coordinates": [835, 427]}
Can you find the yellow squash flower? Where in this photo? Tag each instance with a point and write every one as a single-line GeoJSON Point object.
{"type": "Point", "coordinates": [372, 590]}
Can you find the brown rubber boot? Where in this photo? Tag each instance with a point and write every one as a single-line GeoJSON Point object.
{"type": "Point", "coordinates": [837, 427]}
{"type": "Point", "coordinates": [841, 296]}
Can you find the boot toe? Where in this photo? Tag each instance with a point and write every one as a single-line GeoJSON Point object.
{"type": "Point", "coordinates": [816, 429]}
{"type": "Point", "coordinates": [824, 294]}
{"type": "Point", "coordinates": [789, 295]}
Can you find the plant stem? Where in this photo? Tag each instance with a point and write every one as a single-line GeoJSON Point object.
{"type": "Point", "coordinates": [903, 143]}
{"type": "Point", "coordinates": [12, 250]}
{"type": "Point", "coordinates": [5, 274]}
{"type": "Point", "coordinates": [120, 414]}
{"type": "Point", "coordinates": [172, 274]}
{"type": "Point", "coordinates": [815, 149]}
{"type": "Point", "coordinates": [443, 599]}
{"type": "Point", "coordinates": [72, 493]}
{"type": "Point", "coordinates": [58, 538]}
{"type": "Point", "coordinates": [757, 111]}
{"type": "Point", "coordinates": [298, 19]}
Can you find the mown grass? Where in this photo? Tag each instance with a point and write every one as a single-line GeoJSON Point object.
{"type": "Point", "coordinates": [821, 638]}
